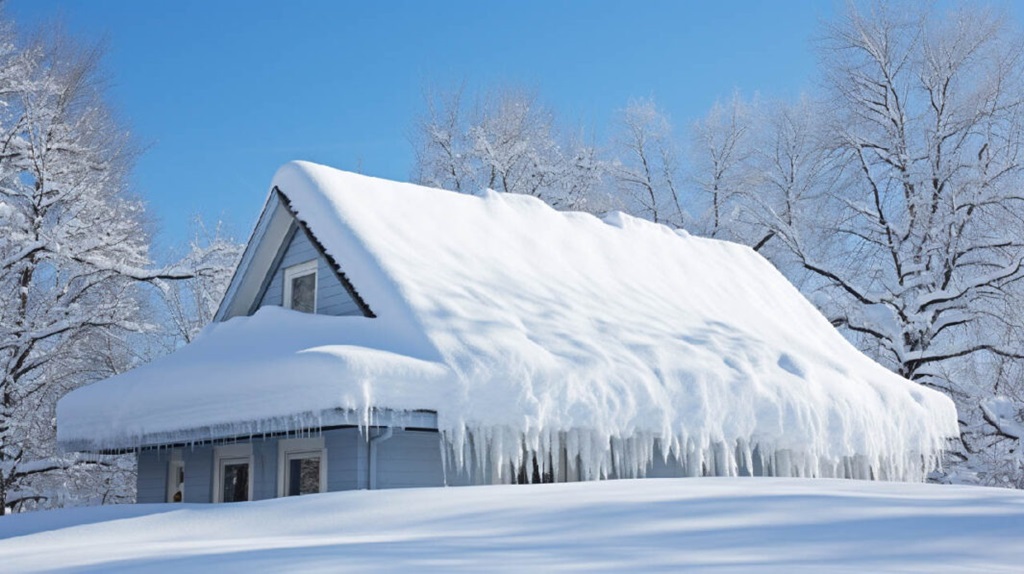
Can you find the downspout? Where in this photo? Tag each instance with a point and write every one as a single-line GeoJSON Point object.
{"type": "Point", "coordinates": [372, 478]}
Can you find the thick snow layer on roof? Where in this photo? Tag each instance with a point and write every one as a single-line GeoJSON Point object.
{"type": "Point", "coordinates": [275, 371]}
{"type": "Point", "coordinates": [525, 328]}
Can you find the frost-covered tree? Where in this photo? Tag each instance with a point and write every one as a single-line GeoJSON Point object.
{"type": "Point", "coordinates": [439, 137]}
{"type": "Point", "coordinates": [791, 172]}
{"type": "Point", "coordinates": [928, 119]}
{"type": "Point", "coordinates": [191, 303]}
{"type": "Point", "coordinates": [775, 179]}
{"type": "Point", "coordinates": [722, 156]}
{"type": "Point", "coordinates": [513, 141]}
{"type": "Point", "coordinates": [908, 214]}
{"type": "Point", "coordinates": [507, 142]}
{"type": "Point", "coordinates": [73, 255]}
{"type": "Point", "coordinates": [646, 166]}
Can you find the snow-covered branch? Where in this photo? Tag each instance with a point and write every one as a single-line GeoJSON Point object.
{"type": "Point", "coordinates": [1004, 416]}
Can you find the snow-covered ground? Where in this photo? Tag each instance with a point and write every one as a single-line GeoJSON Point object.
{"type": "Point", "coordinates": [717, 524]}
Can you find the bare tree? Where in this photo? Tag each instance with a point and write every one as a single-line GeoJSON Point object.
{"type": "Point", "coordinates": [646, 169]}
{"type": "Point", "coordinates": [73, 256]}
{"type": "Point", "coordinates": [507, 142]}
{"type": "Point", "coordinates": [790, 172]}
{"type": "Point", "coordinates": [192, 303]}
{"type": "Point", "coordinates": [513, 141]}
{"type": "Point", "coordinates": [928, 118]}
{"type": "Point", "coordinates": [723, 155]}
{"type": "Point", "coordinates": [915, 242]}
{"type": "Point", "coordinates": [443, 154]}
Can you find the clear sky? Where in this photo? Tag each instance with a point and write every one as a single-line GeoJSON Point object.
{"type": "Point", "coordinates": [222, 92]}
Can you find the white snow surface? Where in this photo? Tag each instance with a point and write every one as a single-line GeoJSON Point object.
{"type": "Point", "coordinates": [524, 328]}
{"type": "Point", "coordinates": [666, 525]}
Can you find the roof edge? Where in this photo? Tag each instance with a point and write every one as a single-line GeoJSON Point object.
{"type": "Point", "coordinates": [248, 253]}
{"type": "Point", "coordinates": [299, 423]}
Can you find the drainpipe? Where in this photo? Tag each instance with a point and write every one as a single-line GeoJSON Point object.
{"type": "Point", "coordinates": [388, 432]}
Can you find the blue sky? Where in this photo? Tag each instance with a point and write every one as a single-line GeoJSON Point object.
{"type": "Point", "coordinates": [222, 92]}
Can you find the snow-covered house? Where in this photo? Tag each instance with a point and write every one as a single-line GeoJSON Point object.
{"type": "Point", "coordinates": [380, 334]}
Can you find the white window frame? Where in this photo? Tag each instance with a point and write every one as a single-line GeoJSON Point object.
{"type": "Point", "coordinates": [300, 270]}
{"type": "Point", "coordinates": [225, 453]}
{"type": "Point", "coordinates": [175, 464]}
{"type": "Point", "coordinates": [289, 448]}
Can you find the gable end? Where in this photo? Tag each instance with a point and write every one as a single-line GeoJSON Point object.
{"type": "Point", "coordinates": [269, 277]}
{"type": "Point", "coordinates": [332, 263]}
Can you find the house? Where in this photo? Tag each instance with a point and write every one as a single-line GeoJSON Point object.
{"type": "Point", "coordinates": [380, 334]}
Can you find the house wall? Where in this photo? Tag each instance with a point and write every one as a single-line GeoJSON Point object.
{"type": "Point", "coordinates": [151, 479]}
{"type": "Point", "coordinates": [410, 458]}
{"type": "Point", "coordinates": [331, 296]}
{"type": "Point", "coordinates": [264, 477]}
{"type": "Point", "coordinates": [346, 459]}
{"type": "Point", "coordinates": [198, 473]}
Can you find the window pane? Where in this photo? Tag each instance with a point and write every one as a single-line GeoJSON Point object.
{"type": "Point", "coordinates": [303, 293]}
{"type": "Point", "coordinates": [236, 482]}
{"type": "Point", "coordinates": [304, 475]}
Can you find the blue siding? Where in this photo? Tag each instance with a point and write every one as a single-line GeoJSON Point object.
{"type": "Point", "coordinates": [410, 459]}
{"type": "Point", "coordinates": [264, 473]}
{"type": "Point", "coordinates": [346, 459]}
{"type": "Point", "coordinates": [151, 484]}
{"type": "Point", "coordinates": [198, 473]}
{"type": "Point", "coordinates": [331, 296]}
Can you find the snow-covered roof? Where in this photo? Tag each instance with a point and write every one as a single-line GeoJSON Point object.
{"type": "Point", "coordinates": [519, 324]}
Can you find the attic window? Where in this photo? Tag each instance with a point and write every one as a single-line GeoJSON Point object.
{"type": "Point", "coordinates": [300, 287]}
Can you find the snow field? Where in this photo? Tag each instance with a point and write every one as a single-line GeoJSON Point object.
{"type": "Point", "coordinates": [710, 524]}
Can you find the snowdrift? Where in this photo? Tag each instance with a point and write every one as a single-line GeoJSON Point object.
{"type": "Point", "coordinates": [533, 332]}
{"type": "Point", "coordinates": [658, 525]}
